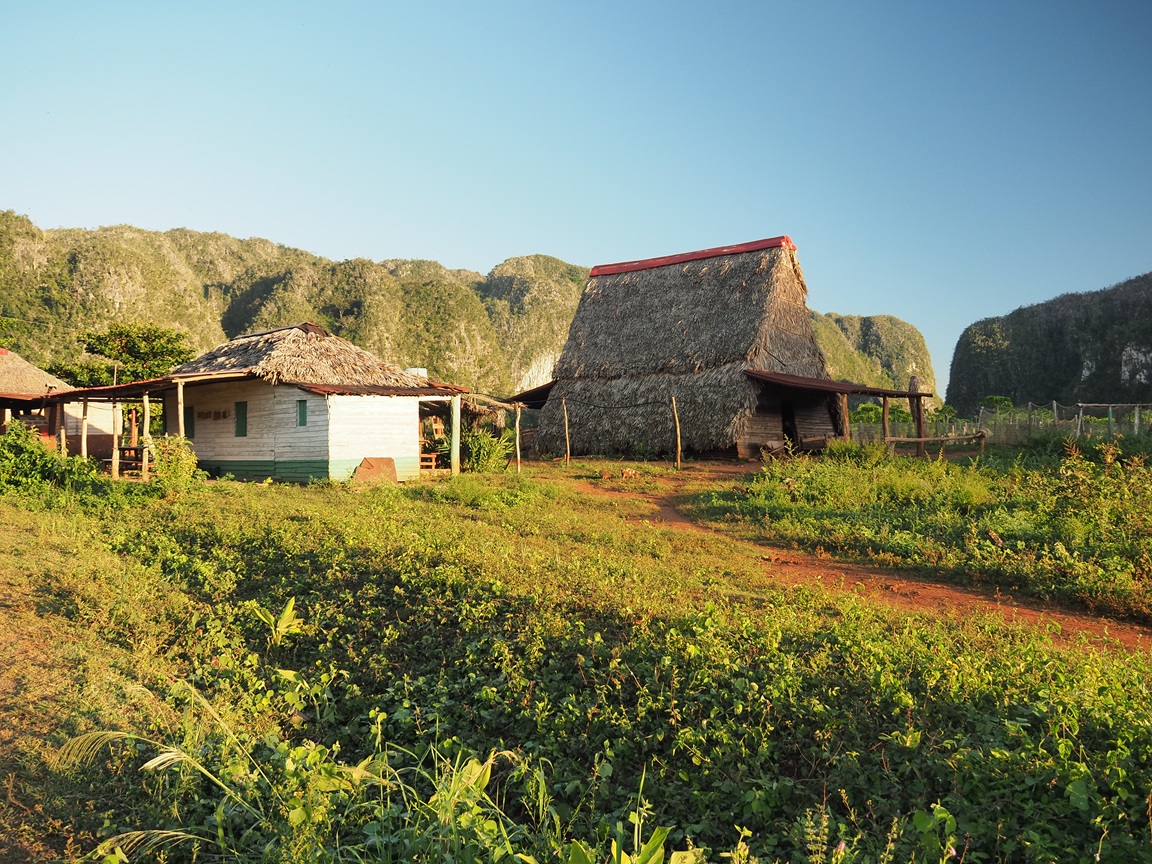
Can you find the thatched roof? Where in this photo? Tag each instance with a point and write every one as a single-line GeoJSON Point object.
{"type": "Point", "coordinates": [686, 326]}
{"type": "Point", "coordinates": [304, 354]}
{"type": "Point", "coordinates": [19, 378]}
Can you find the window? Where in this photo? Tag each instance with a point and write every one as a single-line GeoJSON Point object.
{"type": "Point", "coordinates": [189, 421]}
{"type": "Point", "coordinates": [241, 419]}
{"type": "Point", "coordinates": [301, 412]}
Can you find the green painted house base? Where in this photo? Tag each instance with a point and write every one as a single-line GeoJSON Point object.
{"type": "Point", "coordinates": [299, 470]}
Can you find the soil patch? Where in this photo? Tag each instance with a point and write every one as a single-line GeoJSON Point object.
{"type": "Point", "coordinates": [903, 590]}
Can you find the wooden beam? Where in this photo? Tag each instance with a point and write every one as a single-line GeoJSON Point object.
{"type": "Point", "coordinates": [84, 430]}
{"type": "Point", "coordinates": [117, 422]}
{"type": "Point", "coordinates": [146, 438]}
{"type": "Point", "coordinates": [676, 420]}
{"type": "Point", "coordinates": [567, 439]}
{"type": "Point", "coordinates": [517, 439]}
{"type": "Point", "coordinates": [180, 430]}
{"type": "Point", "coordinates": [847, 432]}
{"type": "Point", "coordinates": [455, 436]}
{"type": "Point", "coordinates": [884, 420]}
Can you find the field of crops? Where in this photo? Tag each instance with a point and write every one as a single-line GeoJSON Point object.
{"type": "Point", "coordinates": [498, 666]}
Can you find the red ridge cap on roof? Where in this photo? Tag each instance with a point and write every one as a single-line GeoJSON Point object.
{"type": "Point", "coordinates": [783, 241]}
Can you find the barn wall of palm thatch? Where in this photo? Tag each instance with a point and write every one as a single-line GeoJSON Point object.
{"type": "Point", "coordinates": [688, 330]}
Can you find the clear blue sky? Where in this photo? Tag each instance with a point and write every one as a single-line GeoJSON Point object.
{"type": "Point", "coordinates": [941, 162]}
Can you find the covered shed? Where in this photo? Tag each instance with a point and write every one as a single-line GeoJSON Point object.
{"type": "Point", "coordinates": [25, 392]}
{"type": "Point", "coordinates": [690, 327]}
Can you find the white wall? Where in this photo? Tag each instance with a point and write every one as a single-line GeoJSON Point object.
{"type": "Point", "coordinates": [272, 431]}
{"type": "Point", "coordinates": [377, 426]}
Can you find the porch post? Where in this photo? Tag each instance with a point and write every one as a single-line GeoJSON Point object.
{"type": "Point", "coordinates": [179, 410]}
{"type": "Point", "coordinates": [146, 438]}
{"type": "Point", "coordinates": [84, 430]}
{"type": "Point", "coordinates": [517, 437]}
{"type": "Point", "coordinates": [117, 422]}
{"type": "Point", "coordinates": [455, 435]}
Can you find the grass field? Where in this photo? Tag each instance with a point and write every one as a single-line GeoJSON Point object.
{"type": "Point", "coordinates": [500, 665]}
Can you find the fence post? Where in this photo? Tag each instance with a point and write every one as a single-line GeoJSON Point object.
{"type": "Point", "coordinates": [676, 420]}
{"type": "Point", "coordinates": [517, 439]}
{"type": "Point", "coordinates": [567, 439]}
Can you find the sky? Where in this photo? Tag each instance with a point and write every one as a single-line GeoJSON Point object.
{"type": "Point", "coordinates": [942, 163]}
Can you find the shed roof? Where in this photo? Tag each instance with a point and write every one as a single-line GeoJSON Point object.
{"type": "Point", "coordinates": [799, 382]}
{"type": "Point", "coordinates": [20, 381]}
{"type": "Point", "coordinates": [301, 354]}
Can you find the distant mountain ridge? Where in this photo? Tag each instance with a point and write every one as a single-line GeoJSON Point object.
{"type": "Point", "coordinates": [498, 333]}
{"type": "Point", "coordinates": [1085, 347]}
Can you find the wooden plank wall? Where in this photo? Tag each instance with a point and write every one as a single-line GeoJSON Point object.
{"type": "Point", "coordinates": [272, 431]}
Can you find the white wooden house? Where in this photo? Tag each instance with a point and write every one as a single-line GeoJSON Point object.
{"type": "Point", "coordinates": [297, 403]}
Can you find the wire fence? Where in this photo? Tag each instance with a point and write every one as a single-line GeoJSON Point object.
{"type": "Point", "coordinates": [1015, 425]}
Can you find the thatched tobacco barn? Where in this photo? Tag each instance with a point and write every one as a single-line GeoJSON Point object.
{"type": "Point", "coordinates": [296, 403]}
{"type": "Point", "coordinates": [691, 326]}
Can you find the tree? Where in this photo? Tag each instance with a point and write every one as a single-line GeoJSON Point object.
{"type": "Point", "coordinates": [137, 352]}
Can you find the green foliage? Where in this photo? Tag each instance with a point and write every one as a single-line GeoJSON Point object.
{"type": "Point", "coordinates": [610, 655]}
{"type": "Point", "coordinates": [140, 351]}
{"type": "Point", "coordinates": [1084, 347]}
{"type": "Point", "coordinates": [174, 468]}
{"type": "Point", "coordinates": [481, 450]}
{"type": "Point", "coordinates": [27, 465]}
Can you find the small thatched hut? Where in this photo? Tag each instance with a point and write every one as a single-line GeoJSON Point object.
{"type": "Point", "coordinates": [296, 403]}
{"type": "Point", "coordinates": [690, 326]}
{"type": "Point", "coordinates": [24, 395]}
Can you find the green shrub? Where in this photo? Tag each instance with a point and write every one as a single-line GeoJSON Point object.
{"type": "Point", "coordinates": [174, 469]}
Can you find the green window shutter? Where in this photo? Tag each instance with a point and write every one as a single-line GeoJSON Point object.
{"type": "Point", "coordinates": [241, 410]}
{"type": "Point", "coordinates": [189, 421]}
{"type": "Point", "coordinates": [301, 412]}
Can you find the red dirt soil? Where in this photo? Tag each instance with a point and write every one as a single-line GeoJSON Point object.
{"type": "Point", "coordinates": [910, 591]}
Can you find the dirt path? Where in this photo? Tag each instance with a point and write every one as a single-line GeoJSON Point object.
{"type": "Point", "coordinates": [902, 590]}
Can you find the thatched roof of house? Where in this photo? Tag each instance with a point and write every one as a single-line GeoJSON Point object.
{"type": "Point", "coordinates": [19, 379]}
{"type": "Point", "coordinates": [306, 354]}
{"type": "Point", "coordinates": [686, 326]}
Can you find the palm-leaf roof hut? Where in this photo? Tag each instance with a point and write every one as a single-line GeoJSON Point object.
{"type": "Point", "coordinates": [691, 326]}
{"type": "Point", "coordinates": [24, 393]}
{"type": "Point", "coordinates": [297, 403]}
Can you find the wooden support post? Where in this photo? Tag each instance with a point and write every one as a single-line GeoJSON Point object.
{"type": "Point", "coordinates": [517, 439]}
{"type": "Point", "coordinates": [884, 421]}
{"type": "Point", "coordinates": [117, 419]}
{"type": "Point", "coordinates": [84, 430]}
{"type": "Point", "coordinates": [1111, 429]}
{"type": "Point", "coordinates": [1080, 421]}
{"type": "Point", "coordinates": [676, 420]}
{"type": "Point", "coordinates": [180, 430]}
{"type": "Point", "coordinates": [1136, 421]}
{"type": "Point", "coordinates": [845, 419]}
{"type": "Point", "coordinates": [455, 436]}
{"type": "Point", "coordinates": [567, 439]}
{"type": "Point", "coordinates": [145, 439]}
{"type": "Point", "coordinates": [61, 430]}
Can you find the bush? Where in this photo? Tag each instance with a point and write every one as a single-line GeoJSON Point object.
{"type": "Point", "coordinates": [481, 451]}
{"type": "Point", "coordinates": [27, 465]}
{"type": "Point", "coordinates": [175, 467]}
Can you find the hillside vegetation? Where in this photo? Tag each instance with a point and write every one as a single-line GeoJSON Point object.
{"type": "Point", "coordinates": [877, 350]}
{"type": "Point", "coordinates": [1090, 347]}
{"type": "Point", "coordinates": [499, 333]}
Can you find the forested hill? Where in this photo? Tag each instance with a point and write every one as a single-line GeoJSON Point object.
{"type": "Point", "coordinates": [877, 350]}
{"type": "Point", "coordinates": [498, 333]}
{"type": "Point", "coordinates": [1090, 347]}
